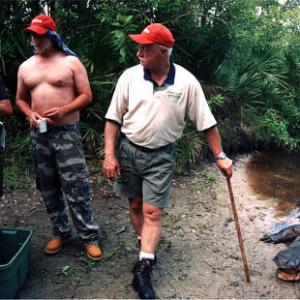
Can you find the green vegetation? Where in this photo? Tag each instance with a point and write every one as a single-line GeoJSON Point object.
{"type": "Point", "coordinates": [245, 53]}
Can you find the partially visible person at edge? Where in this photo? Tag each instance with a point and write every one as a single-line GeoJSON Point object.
{"type": "Point", "coordinates": [146, 116]}
{"type": "Point", "coordinates": [57, 84]}
{"type": "Point", "coordinates": [5, 110]}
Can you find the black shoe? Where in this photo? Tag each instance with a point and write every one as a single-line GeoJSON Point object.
{"type": "Point", "coordinates": [142, 279]}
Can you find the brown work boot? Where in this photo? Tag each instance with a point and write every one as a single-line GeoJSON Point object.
{"type": "Point", "coordinates": [54, 245]}
{"type": "Point", "coordinates": [93, 251]}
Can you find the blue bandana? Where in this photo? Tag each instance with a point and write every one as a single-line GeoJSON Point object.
{"type": "Point", "coordinates": [58, 42]}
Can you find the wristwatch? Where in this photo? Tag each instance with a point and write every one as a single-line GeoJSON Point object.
{"type": "Point", "coordinates": [221, 156]}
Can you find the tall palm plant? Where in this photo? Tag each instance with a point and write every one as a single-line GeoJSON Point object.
{"type": "Point", "coordinates": [259, 88]}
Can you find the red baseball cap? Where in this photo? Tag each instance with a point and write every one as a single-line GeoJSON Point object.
{"type": "Point", "coordinates": [41, 24]}
{"type": "Point", "coordinates": [154, 33]}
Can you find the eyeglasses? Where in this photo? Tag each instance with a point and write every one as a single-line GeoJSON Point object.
{"type": "Point", "coordinates": [146, 48]}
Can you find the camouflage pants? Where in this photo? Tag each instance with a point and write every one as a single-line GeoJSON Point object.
{"type": "Point", "coordinates": [62, 179]}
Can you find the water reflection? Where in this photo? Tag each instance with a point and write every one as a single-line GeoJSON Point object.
{"type": "Point", "coordinates": [276, 176]}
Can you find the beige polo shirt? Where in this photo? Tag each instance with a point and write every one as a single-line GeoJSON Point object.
{"type": "Point", "coordinates": [152, 116]}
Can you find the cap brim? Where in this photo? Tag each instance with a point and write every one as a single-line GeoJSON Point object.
{"type": "Point", "coordinates": [140, 39]}
{"type": "Point", "coordinates": [37, 29]}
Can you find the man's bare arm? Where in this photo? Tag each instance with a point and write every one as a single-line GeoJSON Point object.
{"type": "Point", "coordinates": [82, 88]}
{"type": "Point", "coordinates": [5, 107]}
{"type": "Point", "coordinates": [214, 139]}
{"type": "Point", "coordinates": [110, 164]}
{"type": "Point", "coordinates": [23, 99]}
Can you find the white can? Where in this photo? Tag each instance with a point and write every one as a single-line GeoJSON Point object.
{"type": "Point", "coordinates": [42, 125]}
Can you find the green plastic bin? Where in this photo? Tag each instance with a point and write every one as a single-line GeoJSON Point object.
{"type": "Point", "coordinates": [14, 260]}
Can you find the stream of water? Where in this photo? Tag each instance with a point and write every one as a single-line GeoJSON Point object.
{"type": "Point", "coordinates": [277, 176]}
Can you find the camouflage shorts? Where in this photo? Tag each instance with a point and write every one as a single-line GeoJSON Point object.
{"type": "Point", "coordinates": [62, 178]}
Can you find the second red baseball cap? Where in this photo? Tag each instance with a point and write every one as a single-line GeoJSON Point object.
{"type": "Point", "coordinates": [41, 24]}
{"type": "Point", "coordinates": [154, 33]}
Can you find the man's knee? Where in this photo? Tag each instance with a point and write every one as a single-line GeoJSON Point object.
{"type": "Point", "coordinates": [136, 205]}
{"type": "Point", "coordinates": [152, 213]}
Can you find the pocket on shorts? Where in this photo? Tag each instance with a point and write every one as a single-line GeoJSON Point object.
{"type": "Point", "coordinates": [122, 150]}
{"type": "Point", "coordinates": [122, 156]}
{"type": "Point", "coordinates": [122, 179]}
{"type": "Point", "coordinates": [167, 159]}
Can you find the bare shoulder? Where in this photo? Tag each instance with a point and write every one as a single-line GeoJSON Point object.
{"type": "Point", "coordinates": [27, 64]}
{"type": "Point", "coordinates": [73, 62]}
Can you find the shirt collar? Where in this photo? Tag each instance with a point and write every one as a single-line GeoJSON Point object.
{"type": "Point", "coordinates": [170, 78]}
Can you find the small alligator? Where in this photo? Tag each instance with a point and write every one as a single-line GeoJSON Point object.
{"type": "Point", "coordinates": [288, 259]}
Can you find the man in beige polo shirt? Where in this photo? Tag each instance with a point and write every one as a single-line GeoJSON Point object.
{"type": "Point", "coordinates": [146, 116]}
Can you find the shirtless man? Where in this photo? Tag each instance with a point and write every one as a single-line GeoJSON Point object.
{"type": "Point", "coordinates": [53, 86]}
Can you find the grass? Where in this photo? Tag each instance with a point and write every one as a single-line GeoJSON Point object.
{"type": "Point", "coordinates": [17, 176]}
{"type": "Point", "coordinates": [63, 270]}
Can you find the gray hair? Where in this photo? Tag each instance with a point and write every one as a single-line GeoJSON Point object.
{"type": "Point", "coordinates": [169, 49]}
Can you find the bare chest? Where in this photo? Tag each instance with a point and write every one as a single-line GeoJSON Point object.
{"type": "Point", "coordinates": [53, 74]}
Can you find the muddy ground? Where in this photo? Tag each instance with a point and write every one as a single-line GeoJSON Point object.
{"type": "Point", "coordinates": [198, 257]}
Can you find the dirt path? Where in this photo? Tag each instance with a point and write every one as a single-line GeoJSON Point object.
{"type": "Point", "coordinates": [199, 256]}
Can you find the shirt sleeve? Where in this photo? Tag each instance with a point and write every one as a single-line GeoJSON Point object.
{"type": "Point", "coordinates": [118, 105]}
{"type": "Point", "coordinates": [198, 110]}
{"type": "Point", "coordinates": [3, 91]}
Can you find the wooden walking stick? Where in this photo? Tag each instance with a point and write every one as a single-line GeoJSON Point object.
{"type": "Point", "coordinates": [238, 229]}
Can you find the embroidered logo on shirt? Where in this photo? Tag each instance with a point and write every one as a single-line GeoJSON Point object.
{"type": "Point", "coordinates": [174, 96]}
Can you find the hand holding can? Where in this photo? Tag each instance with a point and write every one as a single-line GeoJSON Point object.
{"type": "Point", "coordinates": [42, 125]}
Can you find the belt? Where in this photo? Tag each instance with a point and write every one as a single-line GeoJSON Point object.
{"type": "Point", "coordinates": [144, 149]}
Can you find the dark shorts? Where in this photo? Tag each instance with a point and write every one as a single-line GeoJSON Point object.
{"type": "Point", "coordinates": [144, 172]}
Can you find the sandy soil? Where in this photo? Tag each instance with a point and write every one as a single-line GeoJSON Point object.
{"type": "Point", "coordinates": [198, 257]}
